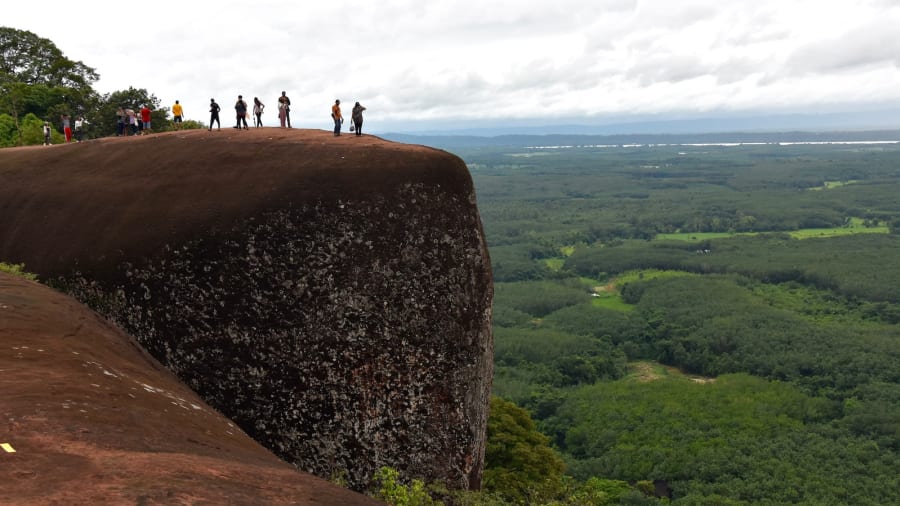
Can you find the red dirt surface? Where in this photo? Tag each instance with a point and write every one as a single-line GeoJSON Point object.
{"type": "Point", "coordinates": [93, 419]}
{"type": "Point", "coordinates": [165, 187]}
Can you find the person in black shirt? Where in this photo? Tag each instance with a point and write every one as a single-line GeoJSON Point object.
{"type": "Point", "coordinates": [214, 114]}
{"type": "Point", "coordinates": [240, 108]}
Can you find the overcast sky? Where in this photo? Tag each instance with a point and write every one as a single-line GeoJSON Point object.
{"type": "Point", "coordinates": [443, 61]}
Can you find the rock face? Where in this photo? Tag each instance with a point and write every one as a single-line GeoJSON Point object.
{"type": "Point", "coordinates": [330, 295]}
{"type": "Point", "coordinates": [90, 418]}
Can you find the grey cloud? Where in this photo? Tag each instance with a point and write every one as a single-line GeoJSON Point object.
{"type": "Point", "coordinates": [667, 68]}
{"type": "Point", "coordinates": [873, 43]}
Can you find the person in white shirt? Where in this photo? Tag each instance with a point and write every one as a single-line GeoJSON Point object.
{"type": "Point", "coordinates": [80, 123]}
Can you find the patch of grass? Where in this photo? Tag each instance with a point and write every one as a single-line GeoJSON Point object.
{"type": "Point", "coordinates": [648, 274]}
{"type": "Point", "coordinates": [856, 226]}
{"type": "Point", "coordinates": [17, 270]}
{"type": "Point", "coordinates": [554, 264]}
{"type": "Point", "coordinates": [611, 301]}
{"type": "Point", "coordinates": [607, 296]}
{"type": "Point", "coordinates": [699, 236]}
{"type": "Point", "coordinates": [645, 370]}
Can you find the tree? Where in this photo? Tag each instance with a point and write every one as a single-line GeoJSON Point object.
{"type": "Point", "coordinates": [391, 490]}
{"type": "Point", "coordinates": [519, 463]}
{"type": "Point", "coordinates": [36, 78]}
{"type": "Point", "coordinates": [132, 98]}
{"type": "Point", "coordinates": [29, 59]}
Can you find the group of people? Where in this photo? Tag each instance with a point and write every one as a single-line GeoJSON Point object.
{"type": "Point", "coordinates": [130, 123]}
{"type": "Point", "coordinates": [78, 133]}
{"type": "Point", "coordinates": [241, 110]}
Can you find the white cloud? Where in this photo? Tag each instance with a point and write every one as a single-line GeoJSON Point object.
{"type": "Point", "coordinates": [409, 60]}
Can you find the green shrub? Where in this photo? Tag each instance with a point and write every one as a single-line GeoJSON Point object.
{"type": "Point", "coordinates": [18, 270]}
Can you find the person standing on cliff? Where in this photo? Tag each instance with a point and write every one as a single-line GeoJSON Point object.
{"type": "Point", "coordinates": [47, 131]}
{"type": "Point", "coordinates": [130, 121]}
{"type": "Point", "coordinates": [284, 110]}
{"type": "Point", "coordinates": [356, 119]}
{"type": "Point", "coordinates": [257, 111]}
{"type": "Point", "coordinates": [240, 109]}
{"type": "Point", "coordinates": [145, 119]}
{"type": "Point", "coordinates": [178, 113]}
{"type": "Point", "coordinates": [214, 114]}
{"type": "Point", "coordinates": [67, 127]}
{"type": "Point", "coordinates": [336, 115]}
{"type": "Point", "coordinates": [120, 122]}
{"type": "Point", "coordinates": [80, 123]}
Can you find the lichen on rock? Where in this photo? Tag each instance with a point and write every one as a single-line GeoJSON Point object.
{"type": "Point", "coordinates": [344, 331]}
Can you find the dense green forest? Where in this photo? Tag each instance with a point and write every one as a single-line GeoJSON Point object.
{"type": "Point", "coordinates": [700, 324]}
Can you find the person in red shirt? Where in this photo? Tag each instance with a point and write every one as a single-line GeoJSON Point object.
{"type": "Point", "coordinates": [145, 119]}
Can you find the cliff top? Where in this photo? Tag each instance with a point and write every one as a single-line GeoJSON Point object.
{"type": "Point", "coordinates": [166, 188]}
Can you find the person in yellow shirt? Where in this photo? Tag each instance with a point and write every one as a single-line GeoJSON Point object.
{"type": "Point", "coordinates": [178, 112]}
{"type": "Point", "coordinates": [336, 115]}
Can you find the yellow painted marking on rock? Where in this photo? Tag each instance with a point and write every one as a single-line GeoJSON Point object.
{"type": "Point", "coordinates": [7, 447]}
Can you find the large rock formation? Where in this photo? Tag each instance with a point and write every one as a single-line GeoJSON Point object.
{"type": "Point", "coordinates": [330, 295]}
{"type": "Point", "coordinates": [88, 417]}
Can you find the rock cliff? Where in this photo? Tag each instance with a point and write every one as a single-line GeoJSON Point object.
{"type": "Point", "coordinates": [330, 295]}
{"type": "Point", "coordinates": [90, 418]}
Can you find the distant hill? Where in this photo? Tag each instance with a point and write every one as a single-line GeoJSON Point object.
{"type": "Point", "coordinates": [523, 140]}
{"type": "Point", "coordinates": [885, 118]}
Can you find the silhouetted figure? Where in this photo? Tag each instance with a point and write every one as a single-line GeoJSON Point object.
{"type": "Point", "coordinates": [356, 119]}
{"type": "Point", "coordinates": [240, 109]}
{"type": "Point", "coordinates": [214, 114]}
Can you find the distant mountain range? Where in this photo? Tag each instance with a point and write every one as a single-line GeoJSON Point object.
{"type": "Point", "coordinates": [556, 140]}
{"type": "Point", "coordinates": [882, 124]}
